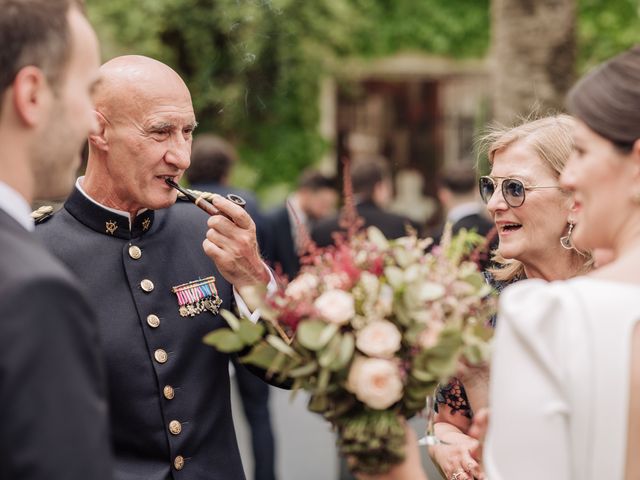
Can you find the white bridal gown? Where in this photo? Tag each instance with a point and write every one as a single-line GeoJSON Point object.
{"type": "Point", "coordinates": [560, 380]}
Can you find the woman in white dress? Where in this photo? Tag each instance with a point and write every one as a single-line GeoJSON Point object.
{"type": "Point", "coordinates": [565, 379]}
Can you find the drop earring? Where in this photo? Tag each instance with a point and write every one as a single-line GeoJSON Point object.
{"type": "Point", "coordinates": [566, 241]}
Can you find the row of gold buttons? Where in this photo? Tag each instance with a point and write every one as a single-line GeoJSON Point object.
{"type": "Point", "coordinates": [161, 356]}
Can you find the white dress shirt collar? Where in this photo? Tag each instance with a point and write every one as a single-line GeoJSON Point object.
{"type": "Point", "coordinates": [16, 206]}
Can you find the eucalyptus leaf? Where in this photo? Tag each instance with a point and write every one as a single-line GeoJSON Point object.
{"type": "Point", "coordinates": [304, 370]}
{"type": "Point", "coordinates": [262, 355]}
{"type": "Point", "coordinates": [331, 352]}
{"type": "Point", "coordinates": [347, 347]}
{"type": "Point", "coordinates": [315, 334]}
{"type": "Point", "coordinates": [225, 340]}
{"type": "Point", "coordinates": [231, 319]}
{"type": "Point", "coordinates": [280, 345]}
{"type": "Point", "coordinates": [250, 332]}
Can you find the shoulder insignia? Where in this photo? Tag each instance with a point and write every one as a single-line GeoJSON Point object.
{"type": "Point", "coordinates": [42, 214]}
{"type": "Point", "coordinates": [196, 193]}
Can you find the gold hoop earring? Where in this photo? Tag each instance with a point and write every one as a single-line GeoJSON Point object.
{"type": "Point", "coordinates": [566, 241]}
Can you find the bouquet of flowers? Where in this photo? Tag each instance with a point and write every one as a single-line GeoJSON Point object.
{"type": "Point", "coordinates": [369, 328]}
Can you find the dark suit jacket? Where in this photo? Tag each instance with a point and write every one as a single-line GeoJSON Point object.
{"type": "Point", "coordinates": [392, 225]}
{"type": "Point", "coordinates": [281, 254]}
{"type": "Point", "coordinates": [53, 412]}
{"type": "Point", "coordinates": [168, 391]}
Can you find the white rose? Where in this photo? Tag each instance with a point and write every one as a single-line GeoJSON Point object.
{"type": "Point", "coordinates": [335, 280]}
{"type": "Point", "coordinates": [301, 286]}
{"type": "Point", "coordinates": [335, 306]}
{"type": "Point", "coordinates": [385, 300]}
{"type": "Point", "coordinates": [379, 339]}
{"type": "Point", "coordinates": [375, 382]}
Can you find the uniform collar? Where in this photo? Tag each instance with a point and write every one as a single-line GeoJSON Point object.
{"type": "Point", "coordinates": [106, 220]}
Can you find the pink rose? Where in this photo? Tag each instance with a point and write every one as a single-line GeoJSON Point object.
{"type": "Point", "coordinates": [303, 285]}
{"type": "Point", "coordinates": [335, 306]}
{"type": "Point", "coordinates": [379, 339]}
{"type": "Point", "coordinates": [375, 382]}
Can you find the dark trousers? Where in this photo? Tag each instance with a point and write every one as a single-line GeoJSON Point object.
{"type": "Point", "coordinates": [254, 393]}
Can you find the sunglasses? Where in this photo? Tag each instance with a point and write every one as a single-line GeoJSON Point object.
{"type": "Point", "coordinates": [513, 190]}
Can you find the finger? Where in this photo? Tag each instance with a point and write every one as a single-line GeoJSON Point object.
{"type": "Point", "coordinates": [223, 226]}
{"type": "Point", "coordinates": [213, 251]}
{"type": "Point", "coordinates": [471, 466]}
{"type": "Point", "coordinates": [235, 212]}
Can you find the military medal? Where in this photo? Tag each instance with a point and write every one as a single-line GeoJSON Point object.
{"type": "Point", "coordinates": [197, 296]}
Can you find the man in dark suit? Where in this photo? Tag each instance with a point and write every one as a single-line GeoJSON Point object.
{"type": "Point", "coordinates": [53, 412]}
{"type": "Point", "coordinates": [212, 160]}
{"type": "Point", "coordinates": [315, 198]}
{"type": "Point", "coordinates": [372, 190]}
{"type": "Point", "coordinates": [152, 279]}
{"type": "Point", "coordinates": [457, 193]}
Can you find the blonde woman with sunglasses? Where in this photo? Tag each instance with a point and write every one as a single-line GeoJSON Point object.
{"type": "Point", "coordinates": [534, 219]}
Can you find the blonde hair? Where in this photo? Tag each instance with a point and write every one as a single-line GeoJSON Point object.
{"type": "Point", "coordinates": [550, 139]}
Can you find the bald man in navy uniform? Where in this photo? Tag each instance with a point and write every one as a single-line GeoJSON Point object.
{"type": "Point", "coordinates": [157, 271]}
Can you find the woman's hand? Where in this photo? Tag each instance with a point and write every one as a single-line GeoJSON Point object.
{"type": "Point", "coordinates": [455, 458]}
{"type": "Point", "coordinates": [478, 431]}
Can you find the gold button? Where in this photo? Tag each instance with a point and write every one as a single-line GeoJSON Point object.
{"type": "Point", "coordinates": [168, 392]}
{"type": "Point", "coordinates": [147, 285]}
{"type": "Point", "coordinates": [160, 356]}
{"type": "Point", "coordinates": [175, 427]}
{"type": "Point", "coordinates": [178, 462]}
{"type": "Point", "coordinates": [153, 321]}
{"type": "Point", "coordinates": [135, 252]}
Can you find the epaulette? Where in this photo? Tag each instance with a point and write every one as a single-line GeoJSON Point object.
{"type": "Point", "coordinates": [196, 193]}
{"type": "Point", "coordinates": [42, 214]}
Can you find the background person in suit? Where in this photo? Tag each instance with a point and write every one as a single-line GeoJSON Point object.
{"type": "Point", "coordinates": [212, 160]}
{"type": "Point", "coordinates": [372, 190]}
{"type": "Point", "coordinates": [53, 414]}
{"type": "Point", "coordinates": [315, 198]}
{"type": "Point", "coordinates": [152, 278]}
{"type": "Point", "coordinates": [458, 195]}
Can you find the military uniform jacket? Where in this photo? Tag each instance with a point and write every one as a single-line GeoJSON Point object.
{"type": "Point", "coordinates": [168, 392]}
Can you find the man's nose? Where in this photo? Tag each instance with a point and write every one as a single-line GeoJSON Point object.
{"type": "Point", "coordinates": [179, 154]}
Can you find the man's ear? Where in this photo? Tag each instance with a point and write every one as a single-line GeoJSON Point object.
{"type": "Point", "coordinates": [31, 96]}
{"type": "Point", "coordinates": [98, 138]}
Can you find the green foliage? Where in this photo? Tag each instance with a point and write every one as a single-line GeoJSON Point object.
{"type": "Point", "coordinates": [606, 28]}
{"type": "Point", "coordinates": [254, 67]}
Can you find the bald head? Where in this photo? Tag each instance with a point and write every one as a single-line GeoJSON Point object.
{"type": "Point", "coordinates": [133, 81]}
{"type": "Point", "coordinates": [146, 121]}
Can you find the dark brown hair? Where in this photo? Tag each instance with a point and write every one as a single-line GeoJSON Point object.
{"type": "Point", "coordinates": [459, 179]}
{"type": "Point", "coordinates": [608, 99]}
{"type": "Point", "coordinates": [211, 159]}
{"type": "Point", "coordinates": [314, 180]}
{"type": "Point", "coordinates": [366, 173]}
{"type": "Point", "coordinates": [34, 32]}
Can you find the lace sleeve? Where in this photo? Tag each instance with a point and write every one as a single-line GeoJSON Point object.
{"type": "Point", "coordinates": [454, 396]}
